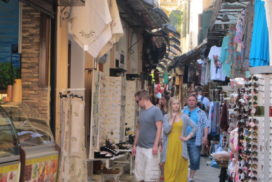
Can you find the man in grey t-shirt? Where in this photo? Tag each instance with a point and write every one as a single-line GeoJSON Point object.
{"type": "Point", "coordinates": [148, 135]}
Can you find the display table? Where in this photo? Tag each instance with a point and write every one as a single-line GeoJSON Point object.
{"type": "Point", "coordinates": [124, 158]}
{"type": "Point", "coordinates": [130, 161]}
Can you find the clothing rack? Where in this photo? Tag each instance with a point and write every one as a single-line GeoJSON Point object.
{"type": "Point", "coordinates": [215, 94]}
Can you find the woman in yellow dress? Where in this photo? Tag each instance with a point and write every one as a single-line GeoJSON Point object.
{"type": "Point", "coordinates": [174, 153]}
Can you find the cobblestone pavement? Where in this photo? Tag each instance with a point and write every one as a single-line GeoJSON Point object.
{"type": "Point", "coordinates": [205, 174]}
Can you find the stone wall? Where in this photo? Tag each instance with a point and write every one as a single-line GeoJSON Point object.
{"type": "Point", "coordinates": [130, 109]}
{"type": "Point", "coordinates": [110, 109]}
{"type": "Point", "coordinates": [33, 95]}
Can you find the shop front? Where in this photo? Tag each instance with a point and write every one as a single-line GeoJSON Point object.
{"type": "Point", "coordinates": [10, 162]}
{"type": "Point", "coordinates": [28, 150]}
{"type": "Point", "coordinates": [32, 141]}
{"type": "Point", "coordinates": [234, 72]}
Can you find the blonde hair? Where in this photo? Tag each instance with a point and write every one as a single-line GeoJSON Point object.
{"type": "Point", "coordinates": [170, 111]}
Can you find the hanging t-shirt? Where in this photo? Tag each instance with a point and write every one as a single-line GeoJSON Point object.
{"type": "Point", "coordinates": [203, 73]}
{"type": "Point", "coordinates": [224, 56]}
{"type": "Point", "coordinates": [216, 66]}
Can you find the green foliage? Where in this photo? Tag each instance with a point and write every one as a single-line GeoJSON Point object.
{"type": "Point", "coordinates": [6, 75]}
{"type": "Point", "coordinates": [176, 18]}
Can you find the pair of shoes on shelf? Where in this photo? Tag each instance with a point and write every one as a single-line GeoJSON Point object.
{"type": "Point", "coordinates": [112, 151]}
{"type": "Point", "coordinates": [102, 154]}
{"type": "Point", "coordinates": [111, 171]}
{"type": "Point", "coordinates": [110, 145]}
{"type": "Point", "coordinates": [124, 146]}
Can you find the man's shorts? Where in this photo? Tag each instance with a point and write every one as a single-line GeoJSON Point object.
{"type": "Point", "coordinates": [146, 165]}
{"type": "Point", "coordinates": [194, 154]}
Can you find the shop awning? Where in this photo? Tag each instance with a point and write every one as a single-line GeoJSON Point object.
{"type": "Point", "coordinates": [142, 14]}
{"type": "Point", "coordinates": [45, 6]}
{"type": "Point", "coordinates": [168, 28]}
{"type": "Point", "coordinates": [189, 56]}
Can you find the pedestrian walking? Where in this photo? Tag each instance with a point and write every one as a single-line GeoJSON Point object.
{"type": "Point", "coordinates": [204, 102]}
{"type": "Point", "coordinates": [147, 139]}
{"type": "Point", "coordinates": [199, 117]}
{"type": "Point", "coordinates": [174, 153]}
{"type": "Point", "coordinates": [163, 104]}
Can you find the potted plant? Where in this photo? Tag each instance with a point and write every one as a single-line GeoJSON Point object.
{"type": "Point", "coordinates": [6, 78]}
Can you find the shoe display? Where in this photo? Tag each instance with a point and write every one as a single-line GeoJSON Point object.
{"type": "Point", "coordinates": [110, 145]}
{"type": "Point", "coordinates": [102, 154]}
{"type": "Point", "coordinates": [112, 151]}
{"type": "Point", "coordinates": [124, 146]}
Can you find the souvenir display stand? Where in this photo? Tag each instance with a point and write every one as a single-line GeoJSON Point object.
{"type": "Point", "coordinates": [263, 112]}
{"type": "Point", "coordinates": [112, 124]}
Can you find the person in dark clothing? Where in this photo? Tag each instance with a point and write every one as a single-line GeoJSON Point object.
{"type": "Point", "coordinates": [163, 104]}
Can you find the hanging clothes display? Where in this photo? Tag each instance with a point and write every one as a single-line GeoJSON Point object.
{"type": "Point", "coordinates": [89, 21]}
{"type": "Point", "coordinates": [214, 118]}
{"type": "Point", "coordinates": [224, 56]}
{"type": "Point", "coordinates": [224, 123]}
{"type": "Point", "coordinates": [203, 75]}
{"type": "Point", "coordinates": [240, 65]}
{"type": "Point", "coordinates": [207, 72]}
{"type": "Point", "coordinates": [248, 31]}
{"type": "Point", "coordinates": [73, 159]}
{"type": "Point", "coordinates": [96, 26]}
{"type": "Point", "coordinates": [192, 73]}
{"type": "Point", "coordinates": [216, 67]}
{"type": "Point", "coordinates": [234, 55]}
{"type": "Point", "coordinates": [268, 10]}
{"type": "Point", "coordinates": [259, 52]}
{"type": "Point", "coordinates": [115, 28]}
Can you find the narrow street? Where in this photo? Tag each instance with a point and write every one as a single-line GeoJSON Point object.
{"type": "Point", "coordinates": [93, 90]}
{"type": "Point", "coordinates": [205, 174]}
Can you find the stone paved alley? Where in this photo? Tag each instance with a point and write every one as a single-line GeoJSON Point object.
{"type": "Point", "coordinates": [206, 174]}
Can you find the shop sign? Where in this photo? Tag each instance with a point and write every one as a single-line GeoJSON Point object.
{"type": "Point", "coordinates": [10, 173]}
{"type": "Point", "coordinates": [41, 169]}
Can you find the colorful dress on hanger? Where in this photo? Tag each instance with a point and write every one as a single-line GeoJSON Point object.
{"type": "Point", "coordinates": [176, 166]}
{"type": "Point", "coordinates": [259, 52]}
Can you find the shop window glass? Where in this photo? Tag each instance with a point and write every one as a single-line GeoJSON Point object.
{"type": "Point", "coordinates": [10, 59]}
{"type": "Point", "coordinates": [8, 142]}
{"type": "Point", "coordinates": [30, 128]}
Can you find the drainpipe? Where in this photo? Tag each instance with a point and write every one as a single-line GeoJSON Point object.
{"type": "Point", "coordinates": [53, 63]}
